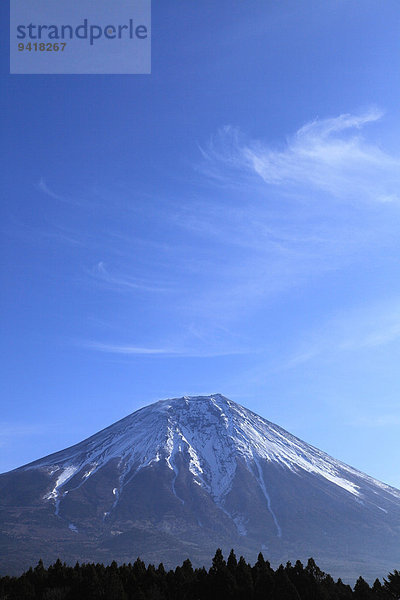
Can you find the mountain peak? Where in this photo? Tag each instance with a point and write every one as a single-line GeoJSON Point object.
{"type": "Point", "coordinates": [212, 433]}
{"type": "Point", "coordinates": [207, 467]}
{"type": "Point", "coordinates": [188, 400]}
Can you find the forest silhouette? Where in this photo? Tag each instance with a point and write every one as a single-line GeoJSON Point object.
{"type": "Point", "coordinates": [230, 579]}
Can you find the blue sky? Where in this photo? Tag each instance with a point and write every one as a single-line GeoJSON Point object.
{"type": "Point", "coordinates": [229, 224]}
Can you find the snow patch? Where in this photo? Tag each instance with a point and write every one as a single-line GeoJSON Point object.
{"type": "Point", "coordinates": [55, 493]}
{"type": "Point", "coordinates": [89, 472]}
{"type": "Point", "coordinates": [240, 521]}
{"type": "Point", "coordinates": [261, 481]}
{"type": "Point", "coordinates": [63, 478]}
{"type": "Point", "coordinates": [211, 435]}
{"type": "Point", "coordinates": [174, 447]}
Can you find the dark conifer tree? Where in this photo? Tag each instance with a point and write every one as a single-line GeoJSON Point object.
{"type": "Point", "coordinates": [231, 580]}
{"type": "Point", "coordinates": [300, 578]}
{"type": "Point", "coordinates": [328, 588]}
{"type": "Point", "coordinates": [139, 569]}
{"type": "Point", "coordinates": [362, 591]}
{"type": "Point", "coordinates": [221, 583]}
{"type": "Point", "coordinates": [161, 570]}
{"type": "Point", "coordinates": [25, 590]}
{"type": "Point", "coordinates": [151, 584]}
{"type": "Point", "coordinates": [283, 588]}
{"type": "Point", "coordinates": [392, 584]}
{"type": "Point", "coordinates": [244, 581]}
{"type": "Point", "coordinates": [218, 562]}
{"type": "Point", "coordinates": [379, 592]}
{"type": "Point", "coordinates": [200, 587]}
{"type": "Point", "coordinates": [183, 581]}
{"type": "Point", "coordinates": [161, 581]}
{"type": "Point", "coordinates": [263, 577]}
{"type": "Point", "coordinates": [232, 562]}
{"type": "Point", "coordinates": [343, 591]}
{"type": "Point", "coordinates": [40, 578]}
{"type": "Point", "coordinates": [313, 569]}
{"type": "Point", "coordinates": [113, 587]}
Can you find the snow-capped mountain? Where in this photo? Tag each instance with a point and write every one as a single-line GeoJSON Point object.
{"type": "Point", "coordinates": [181, 477]}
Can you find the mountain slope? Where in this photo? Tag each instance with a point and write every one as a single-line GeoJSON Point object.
{"type": "Point", "coordinates": [183, 476]}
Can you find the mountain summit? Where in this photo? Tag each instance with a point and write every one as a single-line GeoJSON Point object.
{"type": "Point", "coordinates": [183, 476]}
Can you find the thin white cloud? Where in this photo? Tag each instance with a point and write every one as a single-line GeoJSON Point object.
{"type": "Point", "coordinates": [43, 187]}
{"type": "Point", "coordinates": [10, 431]}
{"type": "Point", "coordinates": [329, 155]}
{"type": "Point", "coordinates": [377, 420]}
{"type": "Point", "coordinates": [323, 128]}
{"type": "Point", "coordinates": [386, 334]}
{"type": "Point", "coordinates": [285, 216]}
{"type": "Point", "coordinates": [360, 329]}
{"type": "Point", "coordinates": [353, 336]}
{"type": "Point", "coordinates": [129, 350]}
{"type": "Point", "coordinates": [102, 274]}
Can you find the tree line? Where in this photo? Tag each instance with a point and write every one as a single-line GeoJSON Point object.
{"type": "Point", "coordinates": [229, 579]}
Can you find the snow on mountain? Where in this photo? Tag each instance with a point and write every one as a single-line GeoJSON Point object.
{"type": "Point", "coordinates": [183, 476]}
{"type": "Point", "coordinates": [212, 432]}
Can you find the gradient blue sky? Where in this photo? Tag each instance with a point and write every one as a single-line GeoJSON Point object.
{"type": "Point", "coordinates": [228, 224]}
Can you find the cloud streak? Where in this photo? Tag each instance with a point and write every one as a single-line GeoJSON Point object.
{"type": "Point", "coordinates": [289, 214]}
{"type": "Point", "coordinates": [272, 219]}
{"type": "Point", "coordinates": [131, 350]}
{"type": "Point", "coordinates": [377, 421]}
{"type": "Point", "coordinates": [10, 431]}
{"type": "Point", "coordinates": [328, 155]}
{"type": "Point", "coordinates": [123, 282]}
{"type": "Point", "coordinates": [362, 329]}
{"type": "Point", "coordinates": [43, 187]}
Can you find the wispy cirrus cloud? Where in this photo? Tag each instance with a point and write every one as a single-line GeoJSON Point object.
{"type": "Point", "coordinates": [291, 213]}
{"type": "Point", "coordinates": [126, 282]}
{"type": "Point", "coordinates": [361, 329]}
{"type": "Point", "coordinates": [272, 218]}
{"type": "Point", "coordinates": [10, 431]}
{"type": "Point", "coordinates": [131, 350]}
{"type": "Point", "coordinates": [377, 421]}
{"type": "Point", "coordinates": [328, 155]}
{"type": "Point", "coordinates": [43, 187]}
